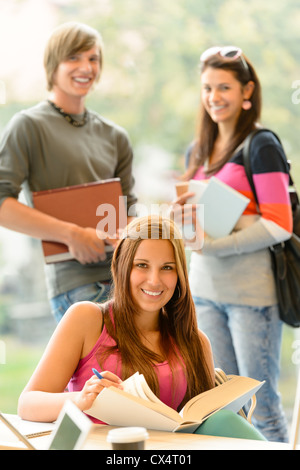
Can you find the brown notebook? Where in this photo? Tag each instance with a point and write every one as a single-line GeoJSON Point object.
{"type": "Point", "coordinates": [98, 205]}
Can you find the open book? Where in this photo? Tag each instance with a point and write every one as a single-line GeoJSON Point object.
{"type": "Point", "coordinates": [136, 404]}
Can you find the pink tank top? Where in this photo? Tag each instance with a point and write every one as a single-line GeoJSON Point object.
{"type": "Point", "coordinates": [113, 364]}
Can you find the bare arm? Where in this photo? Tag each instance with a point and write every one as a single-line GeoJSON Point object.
{"type": "Point", "coordinates": [76, 334]}
{"type": "Point", "coordinates": [208, 354]}
{"type": "Point", "coordinates": [83, 243]}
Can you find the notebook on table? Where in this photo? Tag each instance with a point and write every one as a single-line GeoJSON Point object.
{"type": "Point", "coordinates": [70, 432]}
{"type": "Point", "coordinates": [98, 205]}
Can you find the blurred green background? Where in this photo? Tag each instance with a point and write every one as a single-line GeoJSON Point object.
{"type": "Point", "coordinates": [150, 85]}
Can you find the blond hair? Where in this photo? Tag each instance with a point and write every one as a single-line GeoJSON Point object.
{"type": "Point", "coordinates": [66, 40]}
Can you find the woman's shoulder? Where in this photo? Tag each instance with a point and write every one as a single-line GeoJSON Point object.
{"type": "Point", "coordinates": [207, 351]}
{"type": "Point", "coordinates": [84, 320]}
{"type": "Point", "coordinates": [204, 340]}
{"type": "Point", "coordinates": [265, 144]}
{"type": "Point", "coordinates": [263, 137]}
{"type": "Point", "coordinates": [85, 316]}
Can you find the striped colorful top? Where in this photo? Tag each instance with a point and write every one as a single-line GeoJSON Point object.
{"type": "Point", "coordinates": [237, 268]}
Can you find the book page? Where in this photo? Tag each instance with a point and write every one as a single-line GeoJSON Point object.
{"type": "Point", "coordinates": [147, 392]}
{"type": "Point", "coordinates": [198, 187]}
{"type": "Point", "coordinates": [27, 428]}
{"type": "Point", "coordinates": [130, 385]}
{"type": "Point", "coordinates": [137, 386]}
{"type": "Point", "coordinates": [119, 408]}
{"type": "Point", "coordinates": [231, 395]}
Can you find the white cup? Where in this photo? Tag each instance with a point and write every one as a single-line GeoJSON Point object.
{"type": "Point", "coordinates": [131, 438]}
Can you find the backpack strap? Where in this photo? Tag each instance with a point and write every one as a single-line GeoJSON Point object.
{"type": "Point", "coordinates": [278, 248]}
{"type": "Point", "coordinates": [247, 163]}
{"type": "Point", "coordinates": [246, 157]}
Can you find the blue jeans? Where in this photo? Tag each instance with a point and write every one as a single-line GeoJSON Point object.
{"type": "Point", "coordinates": [247, 341]}
{"type": "Point", "coordinates": [96, 292]}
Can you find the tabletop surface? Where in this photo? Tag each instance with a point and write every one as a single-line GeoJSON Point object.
{"type": "Point", "coordinates": [158, 440]}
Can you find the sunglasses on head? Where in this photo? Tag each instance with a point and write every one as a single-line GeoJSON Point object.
{"type": "Point", "coordinates": [227, 53]}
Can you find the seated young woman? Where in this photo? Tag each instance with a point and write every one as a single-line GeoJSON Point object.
{"type": "Point", "coordinates": [149, 325]}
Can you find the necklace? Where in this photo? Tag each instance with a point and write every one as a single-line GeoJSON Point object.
{"type": "Point", "coordinates": [69, 118]}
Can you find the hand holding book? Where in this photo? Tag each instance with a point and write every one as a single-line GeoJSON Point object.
{"type": "Point", "coordinates": [136, 404]}
{"type": "Point", "coordinates": [222, 205]}
{"type": "Point", "coordinates": [94, 213]}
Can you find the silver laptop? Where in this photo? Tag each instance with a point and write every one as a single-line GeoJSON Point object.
{"type": "Point", "coordinates": [70, 433]}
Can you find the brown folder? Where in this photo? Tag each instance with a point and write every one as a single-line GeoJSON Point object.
{"type": "Point", "coordinates": [98, 205]}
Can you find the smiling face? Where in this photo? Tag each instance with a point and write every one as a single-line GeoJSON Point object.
{"type": "Point", "coordinates": [223, 95]}
{"type": "Point", "coordinates": [76, 75]}
{"type": "Point", "coordinates": [153, 275]}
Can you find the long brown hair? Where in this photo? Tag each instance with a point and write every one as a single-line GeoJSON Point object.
{"type": "Point", "coordinates": [208, 130]}
{"type": "Point", "coordinates": [177, 320]}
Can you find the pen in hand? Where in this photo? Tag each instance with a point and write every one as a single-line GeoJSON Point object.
{"type": "Point", "coordinates": [110, 379]}
{"type": "Point", "coordinates": [97, 374]}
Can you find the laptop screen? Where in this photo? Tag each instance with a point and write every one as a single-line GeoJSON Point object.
{"type": "Point", "coordinates": [66, 436]}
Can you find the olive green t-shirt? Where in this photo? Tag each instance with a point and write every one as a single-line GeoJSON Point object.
{"type": "Point", "coordinates": [40, 150]}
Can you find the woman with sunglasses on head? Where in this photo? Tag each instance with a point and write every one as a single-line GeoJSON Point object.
{"type": "Point", "coordinates": [60, 143]}
{"type": "Point", "coordinates": [231, 277]}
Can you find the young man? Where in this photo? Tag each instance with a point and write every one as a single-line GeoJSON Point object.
{"type": "Point", "coordinates": [60, 143]}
